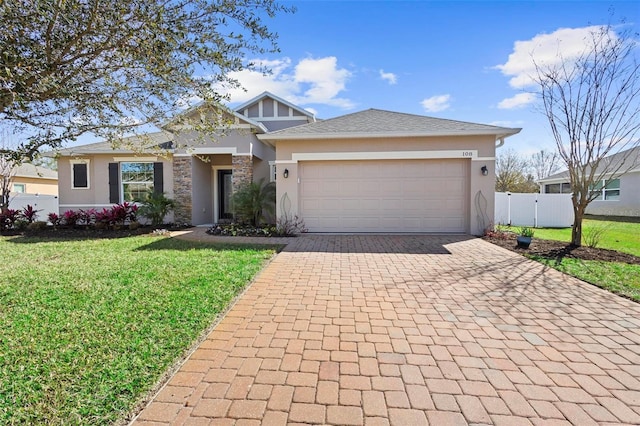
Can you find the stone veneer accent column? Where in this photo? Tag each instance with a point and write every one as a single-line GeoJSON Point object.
{"type": "Point", "coordinates": [242, 168]}
{"type": "Point", "coordinates": [182, 185]}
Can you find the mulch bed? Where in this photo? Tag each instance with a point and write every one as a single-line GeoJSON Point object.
{"type": "Point", "coordinates": [559, 250]}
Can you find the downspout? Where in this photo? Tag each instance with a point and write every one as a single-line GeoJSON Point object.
{"type": "Point", "coordinates": [500, 142]}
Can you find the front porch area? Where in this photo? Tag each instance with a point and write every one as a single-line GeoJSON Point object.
{"type": "Point", "coordinates": [204, 184]}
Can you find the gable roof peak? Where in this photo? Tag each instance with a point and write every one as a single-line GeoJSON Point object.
{"type": "Point", "coordinates": [267, 94]}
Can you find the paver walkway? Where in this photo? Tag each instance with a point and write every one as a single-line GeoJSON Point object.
{"type": "Point", "coordinates": [411, 330]}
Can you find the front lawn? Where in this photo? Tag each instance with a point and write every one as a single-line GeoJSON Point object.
{"type": "Point", "coordinates": [87, 327]}
{"type": "Point", "coordinates": [616, 235]}
{"type": "Point", "coordinates": [619, 278]}
{"type": "Point", "coordinates": [612, 271]}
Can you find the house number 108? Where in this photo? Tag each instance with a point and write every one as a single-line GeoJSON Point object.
{"type": "Point", "coordinates": [467, 153]}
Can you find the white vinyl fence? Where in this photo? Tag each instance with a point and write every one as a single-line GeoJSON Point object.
{"type": "Point", "coordinates": [45, 204]}
{"type": "Point", "coordinates": [538, 210]}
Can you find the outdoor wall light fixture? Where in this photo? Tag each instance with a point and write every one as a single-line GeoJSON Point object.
{"type": "Point", "coordinates": [484, 170]}
{"type": "Point", "coordinates": [286, 173]}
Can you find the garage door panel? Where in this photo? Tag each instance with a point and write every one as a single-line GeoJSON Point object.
{"type": "Point", "coordinates": [385, 195]}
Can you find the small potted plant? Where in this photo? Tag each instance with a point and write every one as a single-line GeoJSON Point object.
{"type": "Point", "coordinates": [524, 237]}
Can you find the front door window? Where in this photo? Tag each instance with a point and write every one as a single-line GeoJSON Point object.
{"type": "Point", "coordinates": [224, 194]}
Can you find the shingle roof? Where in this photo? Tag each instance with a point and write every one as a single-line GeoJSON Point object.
{"type": "Point", "coordinates": [29, 170]}
{"type": "Point", "coordinates": [149, 140]}
{"type": "Point", "coordinates": [631, 158]}
{"type": "Point", "coordinates": [380, 123]}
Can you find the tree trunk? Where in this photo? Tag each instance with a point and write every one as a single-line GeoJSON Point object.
{"type": "Point", "coordinates": [576, 230]}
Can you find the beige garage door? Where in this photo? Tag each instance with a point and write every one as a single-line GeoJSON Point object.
{"type": "Point", "coordinates": [385, 195]}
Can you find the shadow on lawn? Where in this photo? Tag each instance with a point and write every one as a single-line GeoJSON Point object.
{"type": "Point", "coordinates": [180, 244]}
{"type": "Point", "coordinates": [58, 235]}
{"type": "Point", "coordinates": [156, 242]}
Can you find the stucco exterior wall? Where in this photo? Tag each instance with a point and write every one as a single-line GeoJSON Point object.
{"type": "Point", "coordinates": [627, 205]}
{"type": "Point", "coordinates": [97, 194]}
{"type": "Point", "coordinates": [485, 145]}
{"type": "Point", "coordinates": [481, 188]}
{"type": "Point", "coordinates": [37, 185]}
{"type": "Point", "coordinates": [260, 170]}
{"type": "Point", "coordinates": [202, 201]}
{"type": "Point", "coordinates": [237, 141]}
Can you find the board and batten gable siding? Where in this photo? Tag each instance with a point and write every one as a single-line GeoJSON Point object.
{"type": "Point", "coordinates": [99, 194]}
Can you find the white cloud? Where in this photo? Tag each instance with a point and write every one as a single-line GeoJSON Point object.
{"type": "Point", "coordinates": [436, 103]}
{"type": "Point", "coordinates": [517, 101]}
{"type": "Point", "coordinates": [507, 123]}
{"type": "Point", "coordinates": [389, 76]}
{"type": "Point", "coordinates": [325, 81]}
{"type": "Point", "coordinates": [563, 45]}
{"type": "Point", "coordinates": [312, 111]}
{"type": "Point", "coordinates": [310, 81]}
{"type": "Point", "coordinates": [255, 82]}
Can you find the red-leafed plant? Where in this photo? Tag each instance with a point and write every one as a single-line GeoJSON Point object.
{"type": "Point", "coordinates": [87, 217]}
{"type": "Point", "coordinates": [71, 217]}
{"type": "Point", "coordinates": [54, 219]}
{"type": "Point", "coordinates": [29, 213]}
{"type": "Point", "coordinates": [8, 218]}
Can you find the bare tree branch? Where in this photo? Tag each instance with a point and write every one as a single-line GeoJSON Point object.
{"type": "Point", "coordinates": [592, 103]}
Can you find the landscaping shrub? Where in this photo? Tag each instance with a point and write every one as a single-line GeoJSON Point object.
{"type": "Point", "coordinates": [287, 226]}
{"type": "Point", "coordinates": [242, 230]}
{"type": "Point", "coordinates": [592, 236]}
{"type": "Point", "coordinates": [253, 200]}
{"type": "Point", "coordinates": [86, 217]}
{"type": "Point", "coordinates": [54, 219]}
{"type": "Point", "coordinates": [29, 214]}
{"type": "Point", "coordinates": [70, 218]}
{"type": "Point", "coordinates": [8, 218]}
{"type": "Point", "coordinates": [155, 207]}
{"type": "Point", "coordinates": [38, 225]}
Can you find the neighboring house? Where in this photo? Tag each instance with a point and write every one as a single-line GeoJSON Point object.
{"type": "Point", "coordinates": [371, 171]}
{"type": "Point", "coordinates": [618, 195]}
{"type": "Point", "coordinates": [30, 179]}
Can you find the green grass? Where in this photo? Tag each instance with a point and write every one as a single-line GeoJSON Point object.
{"type": "Point", "coordinates": [87, 327]}
{"type": "Point", "coordinates": [620, 234]}
{"type": "Point", "coordinates": [619, 278]}
{"type": "Point", "coordinates": [617, 235]}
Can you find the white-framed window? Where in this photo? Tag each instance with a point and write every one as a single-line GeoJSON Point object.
{"type": "Point", "coordinates": [607, 189]}
{"type": "Point", "coordinates": [135, 180]}
{"type": "Point", "coordinates": [19, 188]}
{"type": "Point", "coordinates": [80, 174]}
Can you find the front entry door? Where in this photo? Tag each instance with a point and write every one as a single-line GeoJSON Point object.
{"type": "Point", "coordinates": [224, 195]}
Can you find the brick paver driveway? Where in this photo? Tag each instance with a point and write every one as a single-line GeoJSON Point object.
{"type": "Point", "coordinates": [411, 330]}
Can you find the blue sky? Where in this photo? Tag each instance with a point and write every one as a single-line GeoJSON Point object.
{"type": "Point", "coordinates": [456, 60]}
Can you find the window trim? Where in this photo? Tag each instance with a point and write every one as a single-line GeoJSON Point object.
{"type": "Point", "coordinates": [122, 182]}
{"type": "Point", "coordinates": [24, 188]}
{"type": "Point", "coordinates": [87, 162]}
{"type": "Point", "coordinates": [562, 187]}
{"type": "Point", "coordinates": [273, 171]}
{"type": "Point", "coordinates": [603, 190]}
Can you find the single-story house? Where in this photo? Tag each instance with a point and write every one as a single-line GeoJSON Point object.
{"type": "Point", "coordinates": [370, 171]}
{"type": "Point", "coordinates": [30, 179]}
{"type": "Point", "coordinates": [618, 195]}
